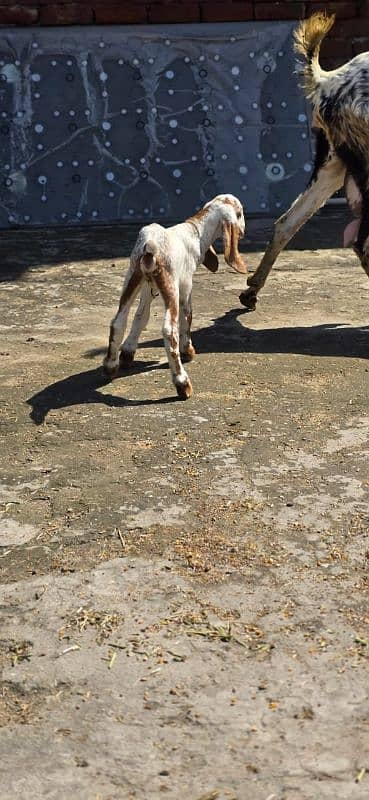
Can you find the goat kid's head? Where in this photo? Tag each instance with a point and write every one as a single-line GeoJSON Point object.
{"type": "Point", "coordinates": [232, 227]}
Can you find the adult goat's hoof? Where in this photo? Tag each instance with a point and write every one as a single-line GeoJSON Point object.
{"type": "Point", "coordinates": [248, 298]}
{"type": "Point", "coordinates": [126, 358]}
{"type": "Point", "coordinates": [111, 368]}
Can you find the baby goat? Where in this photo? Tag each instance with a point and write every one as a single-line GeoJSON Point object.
{"type": "Point", "coordinates": [340, 101]}
{"type": "Point", "coordinates": [166, 258]}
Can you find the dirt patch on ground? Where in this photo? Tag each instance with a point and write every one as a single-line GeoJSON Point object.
{"type": "Point", "coordinates": [184, 586]}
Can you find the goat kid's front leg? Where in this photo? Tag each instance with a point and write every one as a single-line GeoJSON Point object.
{"type": "Point", "coordinates": [170, 294]}
{"type": "Point", "coordinates": [329, 179]}
{"type": "Point", "coordinates": [140, 320]}
{"type": "Point", "coordinates": [186, 347]}
{"type": "Point", "coordinates": [118, 325]}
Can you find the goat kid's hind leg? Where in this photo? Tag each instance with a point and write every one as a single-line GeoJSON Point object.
{"type": "Point", "coordinates": [140, 320]}
{"type": "Point", "coordinates": [186, 347]}
{"type": "Point", "coordinates": [118, 325]}
{"type": "Point", "coordinates": [329, 179]}
{"type": "Point", "coordinates": [170, 295]}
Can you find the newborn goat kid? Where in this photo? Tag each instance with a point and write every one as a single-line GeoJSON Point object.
{"type": "Point", "coordinates": [166, 258]}
{"type": "Point", "coordinates": [340, 100]}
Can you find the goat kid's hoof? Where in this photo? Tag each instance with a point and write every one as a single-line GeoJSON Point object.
{"type": "Point", "coordinates": [126, 358]}
{"type": "Point", "coordinates": [189, 353]}
{"type": "Point", "coordinates": [184, 390]}
{"type": "Point", "coordinates": [111, 368]}
{"type": "Point", "coordinates": [249, 299]}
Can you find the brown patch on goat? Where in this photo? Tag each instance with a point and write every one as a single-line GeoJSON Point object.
{"type": "Point", "coordinates": [133, 283]}
{"type": "Point", "coordinates": [231, 254]}
{"type": "Point", "coordinates": [308, 38]}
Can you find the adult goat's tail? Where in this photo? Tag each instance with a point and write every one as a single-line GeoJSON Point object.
{"type": "Point", "coordinates": [148, 258]}
{"type": "Point", "coordinates": [308, 38]}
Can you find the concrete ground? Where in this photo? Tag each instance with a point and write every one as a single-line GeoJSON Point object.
{"type": "Point", "coordinates": [184, 586]}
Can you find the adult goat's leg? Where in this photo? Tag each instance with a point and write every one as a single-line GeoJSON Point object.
{"type": "Point", "coordinates": [329, 179]}
{"type": "Point", "coordinates": [170, 295]}
{"type": "Point", "coordinates": [140, 320]}
{"type": "Point", "coordinates": [118, 325]}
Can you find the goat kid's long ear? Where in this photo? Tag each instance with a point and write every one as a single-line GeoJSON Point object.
{"type": "Point", "coordinates": [230, 242]}
{"type": "Point", "coordinates": [210, 260]}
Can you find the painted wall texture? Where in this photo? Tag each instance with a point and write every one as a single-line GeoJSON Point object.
{"type": "Point", "coordinates": [134, 123]}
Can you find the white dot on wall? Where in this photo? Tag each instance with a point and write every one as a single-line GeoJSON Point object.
{"type": "Point", "coordinates": [269, 104]}
{"type": "Point", "coordinates": [174, 141]}
{"type": "Point", "coordinates": [26, 218]}
{"type": "Point", "coordinates": [106, 126]}
{"type": "Point", "coordinates": [120, 61]}
{"type": "Point", "coordinates": [232, 39]}
{"type": "Point", "coordinates": [95, 213]}
{"type": "Point", "coordinates": [90, 162]}
{"type": "Point", "coordinates": [252, 54]}
{"type": "Point", "coordinates": [278, 204]}
{"type": "Point", "coordinates": [60, 164]}
{"type": "Point", "coordinates": [280, 53]}
{"type": "Point", "coordinates": [43, 198]}
{"type": "Point", "coordinates": [75, 163]}
{"type": "Point", "coordinates": [216, 57]}
{"type": "Point", "coordinates": [142, 160]}
{"type": "Point", "coordinates": [40, 147]}
{"type": "Point", "coordinates": [63, 215]}
{"type": "Point", "coordinates": [138, 110]}
{"type": "Point", "coordinates": [42, 179]}
{"type": "Point", "coordinates": [177, 173]}
{"type": "Point", "coordinates": [307, 167]}
{"type": "Point", "coordinates": [154, 111]}
{"type": "Point", "coordinates": [173, 123]}
{"type": "Point", "coordinates": [169, 74]}
{"type": "Point", "coordinates": [240, 137]}
{"type": "Point", "coordinates": [103, 76]}
{"type": "Point", "coordinates": [34, 44]}
{"type": "Point", "coordinates": [254, 105]}
{"type": "Point", "coordinates": [266, 54]}
{"type": "Point", "coordinates": [157, 160]}
{"type": "Point", "coordinates": [193, 158]}
{"type": "Point", "coordinates": [289, 154]}
{"type": "Point", "coordinates": [201, 58]}
{"type": "Point", "coordinates": [167, 42]}
{"type": "Point", "coordinates": [107, 144]}
{"type": "Point", "coordinates": [72, 113]}
{"type": "Point", "coordinates": [79, 214]}
{"type": "Point", "coordinates": [170, 91]}
{"type": "Point", "coordinates": [135, 62]}
{"type": "Point", "coordinates": [123, 110]}
{"type": "Point", "coordinates": [186, 60]}
{"type": "Point", "coordinates": [87, 112]}
{"type": "Point", "coordinates": [244, 187]}
{"type": "Point", "coordinates": [69, 62]}
{"type": "Point", "coordinates": [243, 169]}
{"type": "Point", "coordinates": [150, 60]}
{"type": "Point", "coordinates": [190, 108]}
{"type": "Point", "coordinates": [56, 113]}
{"type": "Point", "coordinates": [161, 210]}
{"type": "Point", "coordinates": [131, 211]}
{"type": "Point", "coordinates": [104, 94]}
{"type": "Point", "coordinates": [101, 44]}
{"type": "Point", "coordinates": [304, 136]}
{"type": "Point", "coordinates": [238, 119]}
{"type": "Point", "coordinates": [111, 194]}
{"type": "Point", "coordinates": [19, 114]}
{"type": "Point", "coordinates": [127, 160]}
{"type": "Point", "coordinates": [23, 165]}
{"type": "Point", "coordinates": [84, 63]}
{"type": "Point", "coordinates": [205, 108]}
{"type": "Point", "coordinates": [259, 156]}
{"type": "Point", "coordinates": [274, 155]}
{"type": "Point", "coordinates": [7, 167]}
{"type": "Point", "coordinates": [236, 87]}
{"type": "Point", "coordinates": [302, 118]}
{"type": "Point", "coordinates": [220, 107]}
{"type": "Point", "coordinates": [178, 191]}
{"type": "Point", "coordinates": [235, 70]}
{"type": "Point", "coordinates": [262, 205]}
{"type": "Point", "coordinates": [283, 104]}
{"type": "Point", "coordinates": [146, 211]}
{"type": "Point", "coordinates": [224, 156]}
{"type": "Point", "coordinates": [35, 77]}
{"type": "Point", "coordinates": [39, 128]}
{"type": "Point", "coordinates": [11, 218]}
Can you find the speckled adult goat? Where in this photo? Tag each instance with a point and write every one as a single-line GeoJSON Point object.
{"type": "Point", "coordinates": [340, 100]}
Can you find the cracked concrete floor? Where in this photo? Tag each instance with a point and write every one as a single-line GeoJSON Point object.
{"type": "Point", "coordinates": [184, 586]}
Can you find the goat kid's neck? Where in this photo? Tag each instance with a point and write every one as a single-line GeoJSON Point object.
{"type": "Point", "coordinates": [209, 227]}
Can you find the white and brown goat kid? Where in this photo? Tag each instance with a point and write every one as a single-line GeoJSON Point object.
{"type": "Point", "coordinates": [340, 100]}
{"type": "Point", "coordinates": [166, 259]}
